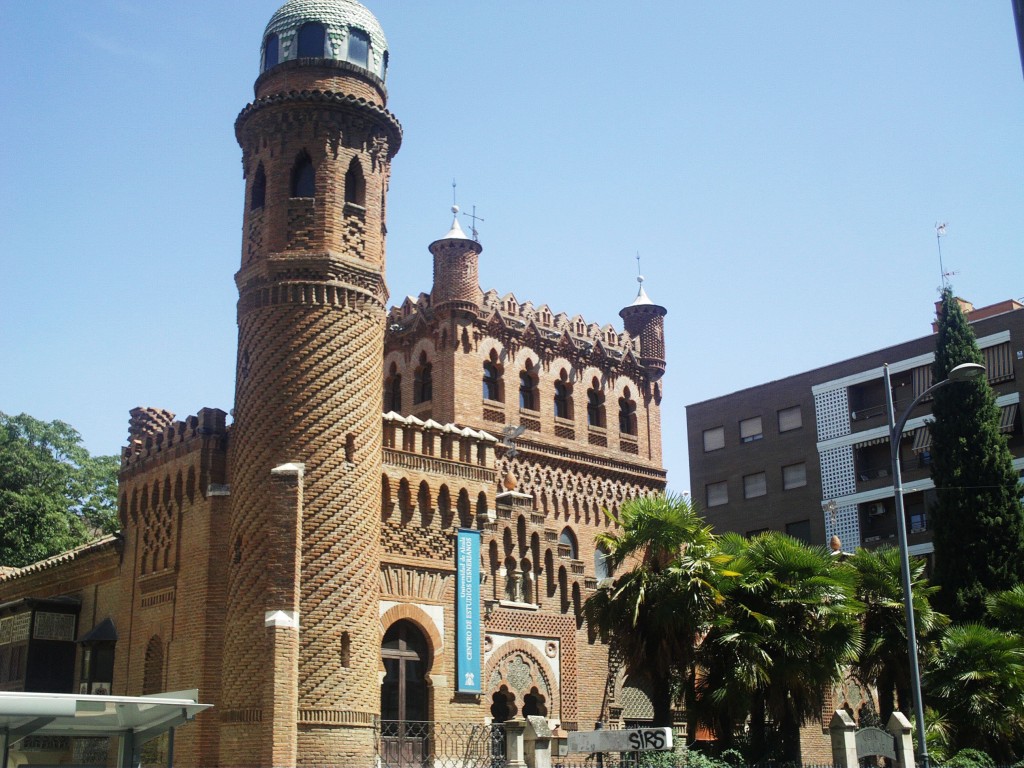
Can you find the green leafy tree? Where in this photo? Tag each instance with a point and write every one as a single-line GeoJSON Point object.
{"type": "Point", "coordinates": [789, 629]}
{"type": "Point", "coordinates": [883, 664]}
{"type": "Point", "coordinates": [53, 494]}
{"type": "Point", "coordinates": [976, 683]}
{"type": "Point", "coordinates": [654, 613]}
{"type": "Point", "coordinates": [979, 519]}
{"type": "Point", "coordinates": [1006, 609]}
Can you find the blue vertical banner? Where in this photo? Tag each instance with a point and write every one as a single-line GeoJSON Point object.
{"type": "Point", "coordinates": [467, 611]}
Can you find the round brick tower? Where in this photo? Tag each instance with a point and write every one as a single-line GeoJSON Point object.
{"type": "Point", "coordinates": [646, 320]}
{"type": "Point", "coordinates": [302, 630]}
{"type": "Point", "coordinates": [456, 270]}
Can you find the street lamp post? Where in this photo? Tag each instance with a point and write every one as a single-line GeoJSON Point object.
{"type": "Point", "coordinates": [963, 372]}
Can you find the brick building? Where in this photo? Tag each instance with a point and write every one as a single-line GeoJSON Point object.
{"type": "Point", "coordinates": [298, 565]}
{"type": "Point", "coordinates": [809, 454]}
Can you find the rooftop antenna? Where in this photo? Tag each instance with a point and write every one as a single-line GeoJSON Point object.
{"type": "Point", "coordinates": [940, 232]}
{"type": "Point", "coordinates": [472, 227]}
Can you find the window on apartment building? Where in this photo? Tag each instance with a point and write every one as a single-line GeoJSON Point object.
{"type": "Point", "coordinates": [794, 476]}
{"type": "Point", "coordinates": [750, 430]}
{"type": "Point", "coordinates": [790, 418]}
{"type": "Point", "coordinates": [801, 530]}
{"type": "Point", "coordinates": [716, 494]}
{"type": "Point", "coordinates": [754, 485]}
{"type": "Point", "coordinates": [714, 439]}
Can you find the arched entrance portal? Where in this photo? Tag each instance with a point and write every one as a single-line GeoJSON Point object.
{"type": "Point", "coordinates": [404, 697]}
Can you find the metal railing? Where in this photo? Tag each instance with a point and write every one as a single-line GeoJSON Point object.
{"type": "Point", "coordinates": [428, 744]}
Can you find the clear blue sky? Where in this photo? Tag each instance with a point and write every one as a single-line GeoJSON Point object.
{"type": "Point", "coordinates": [779, 166]}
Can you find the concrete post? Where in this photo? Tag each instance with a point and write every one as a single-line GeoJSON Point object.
{"type": "Point", "coordinates": [844, 739]}
{"type": "Point", "coordinates": [899, 727]}
{"type": "Point", "coordinates": [537, 742]}
{"type": "Point", "coordinates": [514, 732]}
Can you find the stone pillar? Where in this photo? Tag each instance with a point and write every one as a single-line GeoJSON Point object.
{"type": "Point", "coordinates": [537, 741]}
{"type": "Point", "coordinates": [899, 727]}
{"type": "Point", "coordinates": [844, 739]}
{"type": "Point", "coordinates": [514, 733]}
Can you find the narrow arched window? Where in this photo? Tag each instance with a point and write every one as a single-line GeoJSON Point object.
{"type": "Point", "coordinates": [358, 47]}
{"type": "Point", "coordinates": [595, 405]}
{"type": "Point", "coordinates": [312, 37]}
{"type": "Point", "coordinates": [563, 405]}
{"type": "Point", "coordinates": [423, 385]}
{"type": "Point", "coordinates": [393, 391]}
{"type": "Point", "coordinates": [567, 543]}
{"type": "Point", "coordinates": [627, 414]}
{"type": "Point", "coordinates": [259, 189]}
{"type": "Point", "coordinates": [490, 381]}
{"type": "Point", "coordinates": [303, 177]}
{"type": "Point", "coordinates": [355, 184]}
{"type": "Point", "coordinates": [271, 52]}
{"type": "Point", "coordinates": [601, 569]}
{"type": "Point", "coordinates": [528, 388]}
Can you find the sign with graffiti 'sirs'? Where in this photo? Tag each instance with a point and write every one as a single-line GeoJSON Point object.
{"type": "Point", "coordinates": [625, 740]}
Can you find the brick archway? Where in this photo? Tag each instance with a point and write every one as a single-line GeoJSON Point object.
{"type": "Point", "coordinates": [512, 666]}
{"type": "Point", "coordinates": [421, 619]}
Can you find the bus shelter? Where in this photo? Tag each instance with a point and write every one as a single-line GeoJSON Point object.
{"type": "Point", "coordinates": [132, 720]}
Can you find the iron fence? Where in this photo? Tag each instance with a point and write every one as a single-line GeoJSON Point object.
{"type": "Point", "coordinates": [428, 744]}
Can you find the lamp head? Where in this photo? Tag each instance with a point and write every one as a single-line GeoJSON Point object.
{"type": "Point", "coordinates": [966, 372]}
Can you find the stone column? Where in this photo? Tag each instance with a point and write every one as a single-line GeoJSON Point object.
{"type": "Point", "coordinates": [899, 727]}
{"type": "Point", "coordinates": [537, 741]}
{"type": "Point", "coordinates": [844, 739]}
{"type": "Point", "coordinates": [514, 732]}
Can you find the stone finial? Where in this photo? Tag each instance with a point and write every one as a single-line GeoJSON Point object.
{"type": "Point", "coordinates": [509, 481]}
{"type": "Point", "coordinates": [835, 544]}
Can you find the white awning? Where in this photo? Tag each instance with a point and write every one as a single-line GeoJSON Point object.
{"type": "Point", "coordinates": [139, 718]}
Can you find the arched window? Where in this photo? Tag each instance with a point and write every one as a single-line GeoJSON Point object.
{"type": "Point", "coordinates": [259, 189]}
{"type": "Point", "coordinates": [355, 184]}
{"type": "Point", "coordinates": [271, 52]}
{"type": "Point", "coordinates": [312, 39]}
{"type": "Point", "coordinates": [490, 381]}
{"type": "Point", "coordinates": [393, 391]}
{"type": "Point", "coordinates": [528, 388]}
{"type": "Point", "coordinates": [423, 385]}
{"type": "Point", "coordinates": [563, 400]}
{"type": "Point", "coordinates": [627, 414]}
{"type": "Point", "coordinates": [568, 539]}
{"type": "Point", "coordinates": [595, 405]}
{"type": "Point", "coordinates": [403, 691]}
{"type": "Point", "coordinates": [601, 569]}
{"type": "Point", "coordinates": [359, 47]}
{"type": "Point", "coordinates": [303, 177]}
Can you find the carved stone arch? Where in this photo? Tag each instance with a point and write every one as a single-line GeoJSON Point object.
{"type": "Point", "coordinates": [519, 667]}
{"type": "Point", "coordinates": [423, 621]}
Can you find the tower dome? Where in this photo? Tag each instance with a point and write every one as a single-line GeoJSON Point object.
{"type": "Point", "coordinates": [341, 30]}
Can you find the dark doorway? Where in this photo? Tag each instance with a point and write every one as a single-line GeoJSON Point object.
{"type": "Point", "coordinates": [405, 730]}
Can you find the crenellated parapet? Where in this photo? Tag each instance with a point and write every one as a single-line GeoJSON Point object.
{"type": "Point", "coordinates": [522, 325]}
{"type": "Point", "coordinates": [153, 433]}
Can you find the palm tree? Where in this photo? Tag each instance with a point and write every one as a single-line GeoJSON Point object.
{"type": "Point", "coordinates": [1006, 609]}
{"type": "Point", "coordinates": [654, 612]}
{"type": "Point", "coordinates": [789, 628]}
{"type": "Point", "coordinates": [883, 664]}
{"type": "Point", "coordinates": [976, 682]}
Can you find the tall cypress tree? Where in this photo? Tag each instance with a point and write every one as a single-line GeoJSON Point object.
{"type": "Point", "coordinates": [978, 518]}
